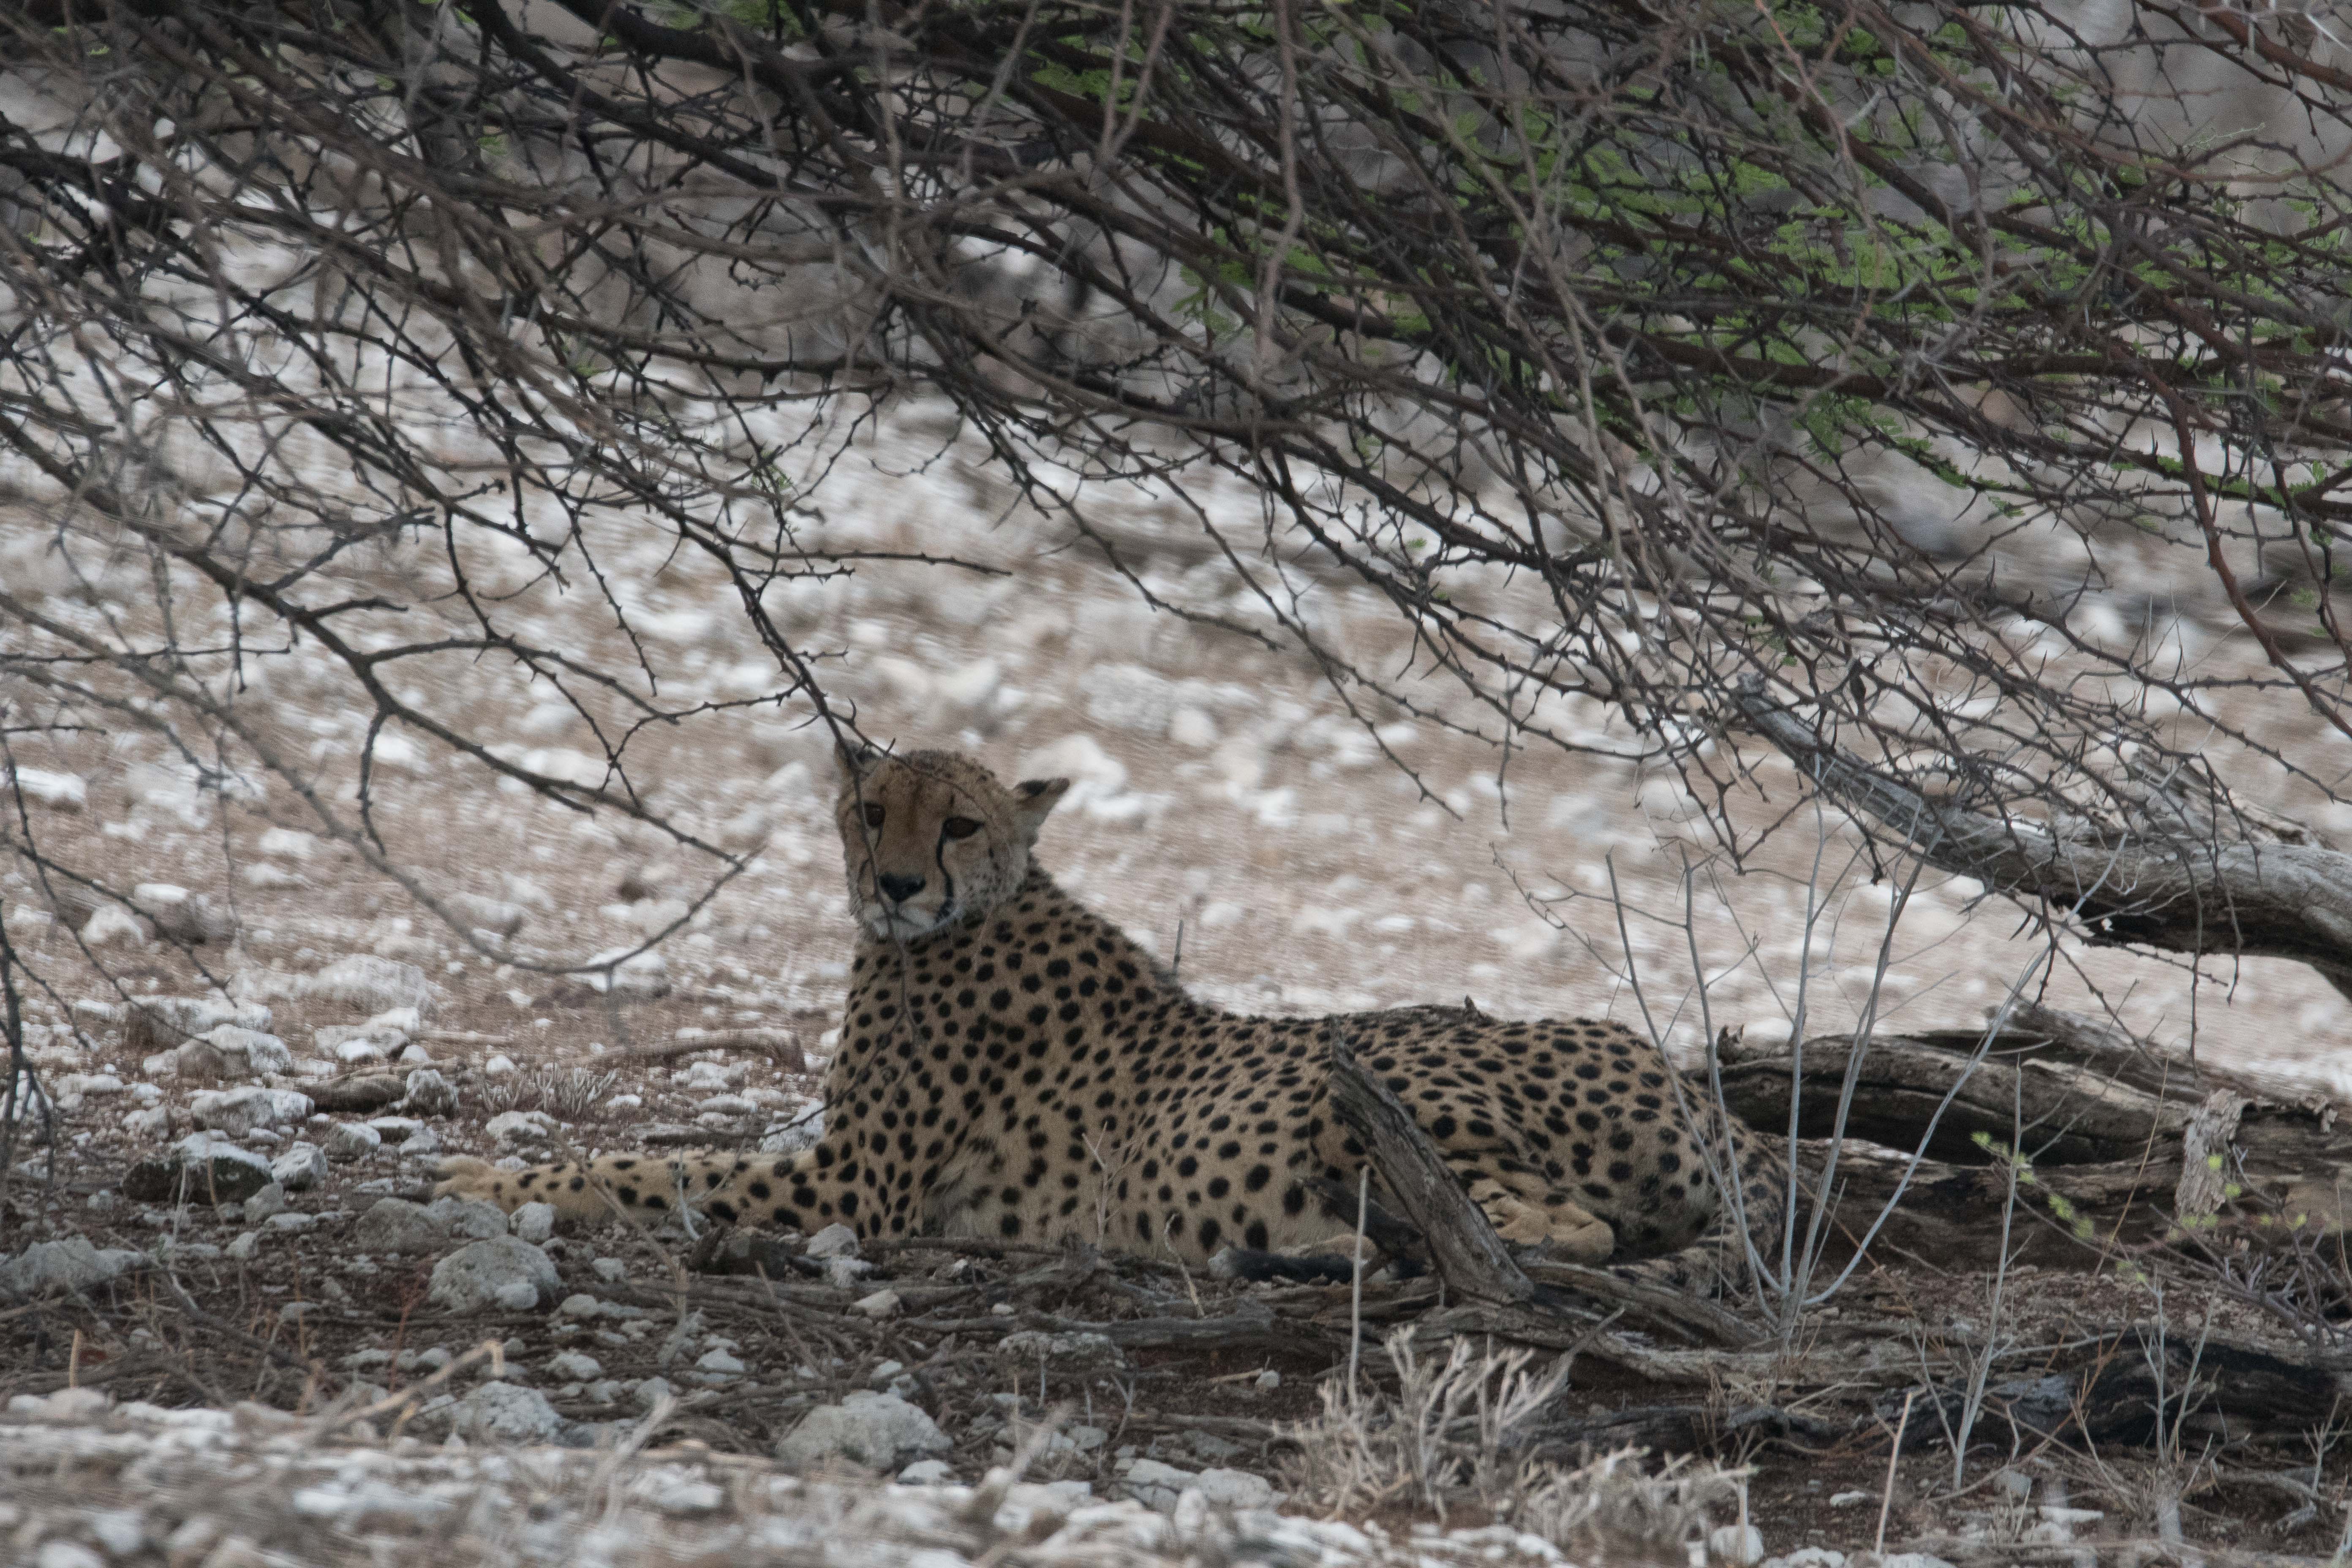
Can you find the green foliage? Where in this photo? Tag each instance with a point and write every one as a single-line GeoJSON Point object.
{"type": "Point", "coordinates": [2076, 1223]}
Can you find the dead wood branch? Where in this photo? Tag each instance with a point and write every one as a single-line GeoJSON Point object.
{"type": "Point", "coordinates": [2199, 895]}
{"type": "Point", "coordinates": [1250, 1323]}
{"type": "Point", "coordinates": [367, 1092]}
{"type": "Point", "coordinates": [1497, 1296]}
{"type": "Point", "coordinates": [782, 1044]}
{"type": "Point", "coordinates": [1472, 1258]}
{"type": "Point", "coordinates": [2152, 1065]}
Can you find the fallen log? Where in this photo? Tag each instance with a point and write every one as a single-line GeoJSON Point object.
{"type": "Point", "coordinates": [2119, 1143]}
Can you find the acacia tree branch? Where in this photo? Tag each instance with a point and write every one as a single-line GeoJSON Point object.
{"type": "Point", "coordinates": [2198, 896]}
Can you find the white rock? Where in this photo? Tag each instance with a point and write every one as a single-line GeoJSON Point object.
{"type": "Point", "coordinates": [512, 1129]}
{"type": "Point", "coordinates": [121, 1530]}
{"type": "Point", "coordinates": [1912, 1560]}
{"type": "Point", "coordinates": [242, 1052]}
{"type": "Point", "coordinates": [532, 1222]}
{"type": "Point", "coordinates": [708, 1076]}
{"type": "Point", "coordinates": [429, 1094]}
{"type": "Point", "coordinates": [1191, 728]}
{"type": "Point", "coordinates": [468, 1220]}
{"type": "Point", "coordinates": [565, 765]}
{"type": "Point", "coordinates": [880, 1305]}
{"type": "Point", "coordinates": [243, 1248]}
{"type": "Point", "coordinates": [833, 1241]}
{"type": "Point", "coordinates": [58, 792]}
{"type": "Point", "coordinates": [879, 1431]}
{"type": "Point", "coordinates": [373, 985]}
{"type": "Point", "coordinates": [972, 687]}
{"type": "Point", "coordinates": [1129, 697]}
{"type": "Point", "coordinates": [72, 1264]}
{"type": "Point", "coordinates": [71, 1089]}
{"type": "Point", "coordinates": [301, 1167]}
{"type": "Point", "coordinates": [1809, 1557]}
{"type": "Point", "coordinates": [171, 1019]}
{"type": "Point", "coordinates": [1235, 1489]}
{"type": "Point", "coordinates": [574, 1366]}
{"type": "Point", "coordinates": [401, 1020]}
{"type": "Point", "coordinates": [270, 1200]}
{"type": "Point", "coordinates": [928, 1473]}
{"type": "Point", "coordinates": [208, 1165]}
{"type": "Point", "coordinates": [502, 1273]}
{"type": "Point", "coordinates": [646, 975]}
{"type": "Point", "coordinates": [349, 1141]}
{"type": "Point", "coordinates": [396, 1225]}
{"type": "Point", "coordinates": [1740, 1544]}
{"type": "Point", "coordinates": [496, 916]}
{"type": "Point", "coordinates": [110, 924]}
{"type": "Point", "coordinates": [60, 1552]}
{"type": "Point", "coordinates": [287, 844]}
{"type": "Point", "coordinates": [1093, 774]}
{"type": "Point", "coordinates": [721, 1362]}
{"type": "Point", "coordinates": [237, 1112]}
{"type": "Point", "coordinates": [351, 1049]}
{"type": "Point", "coordinates": [503, 1412]}
{"type": "Point", "coordinates": [499, 1066]}
{"type": "Point", "coordinates": [1156, 1486]}
{"type": "Point", "coordinates": [183, 916]}
{"type": "Point", "coordinates": [1241, 762]}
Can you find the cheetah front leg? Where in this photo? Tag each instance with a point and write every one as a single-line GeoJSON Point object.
{"type": "Point", "coordinates": [1573, 1234]}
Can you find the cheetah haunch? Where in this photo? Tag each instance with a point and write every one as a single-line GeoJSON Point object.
{"type": "Point", "coordinates": [1012, 1065]}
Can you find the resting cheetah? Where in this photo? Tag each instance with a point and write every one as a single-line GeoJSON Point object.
{"type": "Point", "coordinates": [1012, 1065]}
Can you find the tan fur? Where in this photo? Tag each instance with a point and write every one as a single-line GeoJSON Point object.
{"type": "Point", "coordinates": [1012, 1065]}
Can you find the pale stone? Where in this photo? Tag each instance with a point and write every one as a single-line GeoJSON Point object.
{"type": "Point", "coordinates": [879, 1431]}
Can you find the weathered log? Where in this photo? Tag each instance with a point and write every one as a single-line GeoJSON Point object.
{"type": "Point", "coordinates": [2107, 1391]}
{"type": "Point", "coordinates": [2110, 1151]}
{"type": "Point", "coordinates": [365, 1093]}
{"type": "Point", "coordinates": [2197, 892]}
{"type": "Point", "coordinates": [2071, 1116]}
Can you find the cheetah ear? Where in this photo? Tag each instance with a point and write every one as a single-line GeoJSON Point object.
{"type": "Point", "coordinates": [855, 757]}
{"type": "Point", "coordinates": [1032, 798]}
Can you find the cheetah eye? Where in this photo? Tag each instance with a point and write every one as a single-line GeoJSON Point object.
{"type": "Point", "coordinates": [873, 817]}
{"type": "Point", "coordinates": [960, 827]}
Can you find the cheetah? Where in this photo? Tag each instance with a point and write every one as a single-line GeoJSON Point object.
{"type": "Point", "coordinates": [1012, 1065]}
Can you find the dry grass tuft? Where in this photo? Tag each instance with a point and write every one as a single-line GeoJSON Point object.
{"type": "Point", "coordinates": [1465, 1432]}
{"type": "Point", "coordinates": [568, 1094]}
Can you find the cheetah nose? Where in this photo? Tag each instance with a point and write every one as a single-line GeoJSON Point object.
{"type": "Point", "coordinates": [898, 890]}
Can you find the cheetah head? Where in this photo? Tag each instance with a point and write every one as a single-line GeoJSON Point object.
{"type": "Point", "coordinates": [931, 838]}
